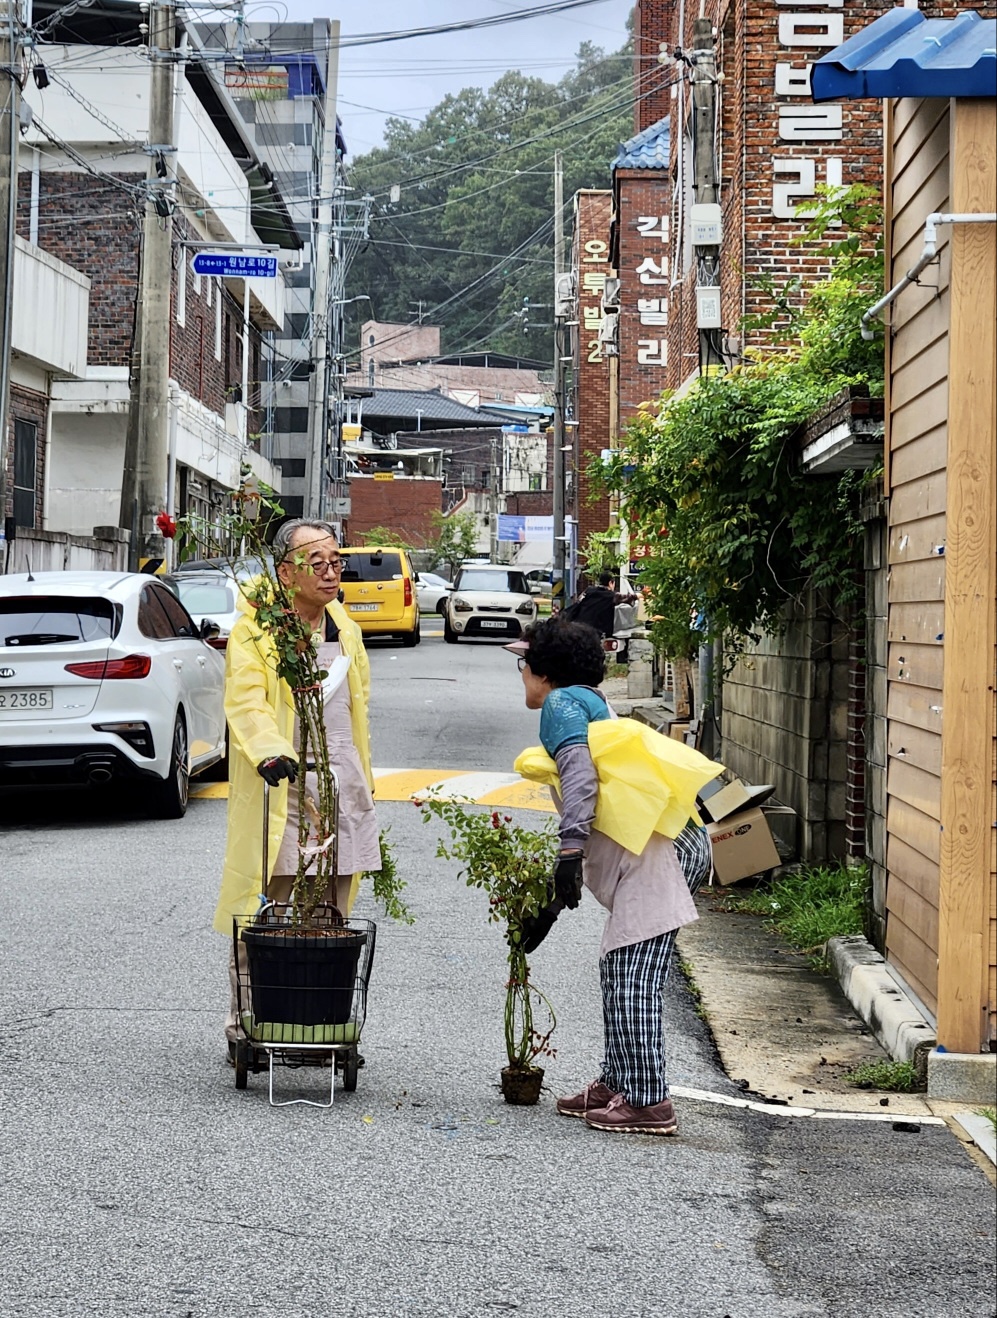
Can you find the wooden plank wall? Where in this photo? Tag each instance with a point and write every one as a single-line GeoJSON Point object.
{"type": "Point", "coordinates": [965, 961]}
{"type": "Point", "coordinates": [916, 446]}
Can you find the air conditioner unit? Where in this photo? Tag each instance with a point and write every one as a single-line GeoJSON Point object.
{"type": "Point", "coordinates": [611, 296]}
{"type": "Point", "coordinates": [609, 335]}
{"type": "Point", "coordinates": [564, 295]}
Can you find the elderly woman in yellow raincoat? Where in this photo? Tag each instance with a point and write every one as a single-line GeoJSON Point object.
{"type": "Point", "coordinates": [262, 740]}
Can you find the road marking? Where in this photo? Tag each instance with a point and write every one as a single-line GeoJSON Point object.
{"type": "Point", "coordinates": [778, 1110]}
{"type": "Point", "coordinates": [506, 791]}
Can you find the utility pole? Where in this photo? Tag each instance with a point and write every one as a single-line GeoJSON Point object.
{"type": "Point", "coordinates": [704, 184]}
{"type": "Point", "coordinates": [144, 479]}
{"type": "Point", "coordinates": [708, 301]}
{"type": "Point", "coordinates": [558, 588]}
{"type": "Point", "coordinates": [318, 381]}
{"type": "Point", "coordinates": [493, 493]}
{"type": "Point", "coordinates": [10, 120]}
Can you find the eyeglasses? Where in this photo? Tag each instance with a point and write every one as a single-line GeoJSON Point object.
{"type": "Point", "coordinates": [521, 663]}
{"type": "Point", "coordinates": [322, 566]}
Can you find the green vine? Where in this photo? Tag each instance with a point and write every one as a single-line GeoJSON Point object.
{"type": "Point", "coordinates": [711, 481]}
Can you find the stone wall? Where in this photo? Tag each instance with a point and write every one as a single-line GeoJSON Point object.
{"type": "Point", "coordinates": [785, 721]}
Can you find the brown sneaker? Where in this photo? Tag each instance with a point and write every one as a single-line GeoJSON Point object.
{"type": "Point", "coordinates": [595, 1095]}
{"type": "Point", "coordinates": [619, 1115]}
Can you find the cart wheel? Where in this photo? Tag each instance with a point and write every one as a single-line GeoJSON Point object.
{"type": "Point", "coordinates": [241, 1064]}
{"type": "Point", "coordinates": [351, 1069]}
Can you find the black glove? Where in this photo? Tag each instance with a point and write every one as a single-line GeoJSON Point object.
{"type": "Point", "coordinates": [568, 880]}
{"type": "Point", "coordinates": [276, 768]}
{"type": "Point", "coordinates": [537, 927]}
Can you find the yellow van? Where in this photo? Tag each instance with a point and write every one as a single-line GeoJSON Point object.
{"type": "Point", "coordinates": [379, 592]}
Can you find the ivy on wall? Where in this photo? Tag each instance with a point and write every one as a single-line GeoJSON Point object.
{"type": "Point", "coordinates": [711, 480]}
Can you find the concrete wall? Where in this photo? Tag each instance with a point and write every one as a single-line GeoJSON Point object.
{"type": "Point", "coordinates": [50, 310]}
{"type": "Point", "coordinates": [55, 551]}
{"type": "Point", "coordinates": [785, 721]}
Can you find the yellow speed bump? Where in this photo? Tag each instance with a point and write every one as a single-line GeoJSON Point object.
{"type": "Point", "coordinates": [482, 787]}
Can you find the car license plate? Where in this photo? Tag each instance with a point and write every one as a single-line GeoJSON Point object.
{"type": "Point", "coordinates": [364, 608]}
{"type": "Point", "coordinates": [488, 622]}
{"type": "Point", "coordinates": [38, 698]}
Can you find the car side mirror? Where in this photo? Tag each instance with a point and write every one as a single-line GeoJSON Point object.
{"type": "Point", "coordinates": [208, 629]}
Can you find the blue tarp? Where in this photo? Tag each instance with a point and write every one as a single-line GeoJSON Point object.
{"type": "Point", "coordinates": [905, 54]}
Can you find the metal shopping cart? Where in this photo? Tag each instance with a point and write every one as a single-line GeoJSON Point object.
{"type": "Point", "coordinates": [301, 989]}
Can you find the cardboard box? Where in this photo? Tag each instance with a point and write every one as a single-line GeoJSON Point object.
{"type": "Point", "coordinates": [718, 802]}
{"type": "Point", "coordinates": [742, 845]}
{"type": "Point", "coordinates": [677, 731]}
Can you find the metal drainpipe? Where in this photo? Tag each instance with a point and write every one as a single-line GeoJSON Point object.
{"type": "Point", "coordinates": [928, 253]}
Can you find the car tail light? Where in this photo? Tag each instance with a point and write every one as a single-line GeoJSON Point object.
{"type": "Point", "coordinates": [408, 592]}
{"type": "Point", "coordinates": [133, 665]}
{"type": "Point", "coordinates": [218, 642]}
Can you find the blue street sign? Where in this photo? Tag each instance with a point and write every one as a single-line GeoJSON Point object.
{"type": "Point", "coordinates": [235, 265]}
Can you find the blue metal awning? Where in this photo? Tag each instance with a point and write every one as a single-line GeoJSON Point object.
{"type": "Point", "coordinates": [905, 54]}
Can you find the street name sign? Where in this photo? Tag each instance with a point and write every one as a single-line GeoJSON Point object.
{"type": "Point", "coordinates": [235, 265]}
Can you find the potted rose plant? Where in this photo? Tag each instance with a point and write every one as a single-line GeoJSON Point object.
{"type": "Point", "coordinates": [513, 866]}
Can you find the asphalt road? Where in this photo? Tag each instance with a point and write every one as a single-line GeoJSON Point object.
{"type": "Point", "coordinates": [136, 1180]}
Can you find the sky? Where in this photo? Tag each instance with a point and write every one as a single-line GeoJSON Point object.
{"type": "Point", "coordinates": [407, 78]}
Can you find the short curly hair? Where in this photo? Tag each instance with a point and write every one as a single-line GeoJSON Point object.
{"type": "Point", "coordinates": [565, 653]}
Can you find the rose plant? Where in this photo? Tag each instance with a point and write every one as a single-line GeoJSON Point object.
{"type": "Point", "coordinates": [513, 866]}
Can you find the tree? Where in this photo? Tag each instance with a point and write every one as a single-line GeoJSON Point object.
{"type": "Point", "coordinates": [455, 538]}
{"type": "Point", "coordinates": [472, 235]}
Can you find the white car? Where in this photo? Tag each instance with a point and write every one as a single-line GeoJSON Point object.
{"type": "Point", "coordinates": [104, 675]}
{"type": "Point", "coordinates": [209, 597]}
{"type": "Point", "coordinates": [432, 591]}
{"type": "Point", "coordinates": [488, 600]}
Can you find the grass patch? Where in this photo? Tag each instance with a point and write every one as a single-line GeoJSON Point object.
{"type": "Point", "coordinates": [990, 1114]}
{"type": "Point", "coordinates": [617, 670]}
{"type": "Point", "coordinates": [899, 1077]}
{"type": "Point", "coordinates": [809, 905]}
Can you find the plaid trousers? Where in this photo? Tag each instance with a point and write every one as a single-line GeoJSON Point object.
{"type": "Point", "coordinates": [633, 979]}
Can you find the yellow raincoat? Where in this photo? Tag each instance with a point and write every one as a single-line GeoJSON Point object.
{"type": "Point", "coordinates": [647, 782]}
{"type": "Point", "coordinates": [260, 711]}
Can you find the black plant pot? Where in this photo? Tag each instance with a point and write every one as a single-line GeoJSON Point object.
{"type": "Point", "coordinates": [303, 977]}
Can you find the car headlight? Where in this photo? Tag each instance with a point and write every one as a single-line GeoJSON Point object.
{"type": "Point", "coordinates": [461, 605]}
{"type": "Point", "coordinates": [526, 607]}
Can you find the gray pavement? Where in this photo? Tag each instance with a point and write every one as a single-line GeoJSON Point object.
{"type": "Point", "coordinates": [136, 1180]}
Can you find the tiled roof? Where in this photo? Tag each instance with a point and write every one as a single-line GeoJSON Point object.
{"type": "Point", "coordinates": [648, 150]}
{"type": "Point", "coordinates": [429, 403]}
{"type": "Point", "coordinates": [903, 53]}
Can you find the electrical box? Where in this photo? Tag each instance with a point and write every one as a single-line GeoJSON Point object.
{"type": "Point", "coordinates": [708, 308]}
{"type": "Point", "coordinates": [707, 226]}
{"type": "Point", "coordinates": [564, 296]}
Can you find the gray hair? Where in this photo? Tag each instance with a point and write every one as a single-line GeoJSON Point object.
{"type": "Point", "coordinates": [285, 534]}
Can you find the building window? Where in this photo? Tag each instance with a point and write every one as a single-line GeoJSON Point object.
{"type": "Point", "coordinates": [536, 480]}
{"type": "Point", "coordinates": [218, 325]}
{"type": "Point", "coordinates": [182, 289]}
{"type": "Point", "coordinates": [25, 449]}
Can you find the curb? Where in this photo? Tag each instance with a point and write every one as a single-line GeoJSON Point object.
{"type": "Point", "coordinates": [902, 1029]}
{"type": "Point", "coordinates": [980, 1131]}
{"type": "Point", "coordinates": [897, 1024]}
